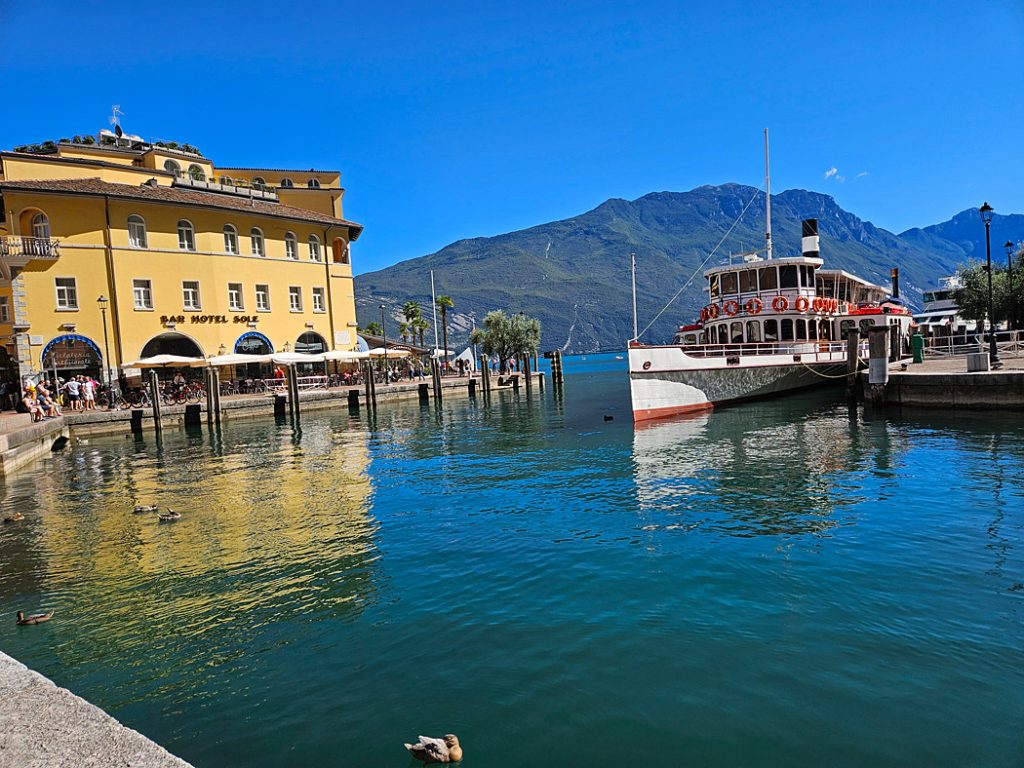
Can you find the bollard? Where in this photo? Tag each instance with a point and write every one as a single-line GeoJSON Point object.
{"type": "Point", "coordinates": [353, 399]}
{"type": "Point", "coordinates": [472, 387]}
{"type": "Point", "coordinates": [280, 406]}
{"type": "Point", "coordinates": [193, 415]}
{"type": "Point", "coordinates": [424, 390]}
{"type": "Point", "coordinates": [137, 422]}
{"type": "Point", "coordinates": [878, 362]}
{"type": "Point", "coordinates": [515, 382]}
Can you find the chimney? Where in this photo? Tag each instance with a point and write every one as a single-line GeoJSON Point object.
{"type": "Point", "coordinates": [810, 239]}
{"type": "Point", "coordinates": [895, 275]}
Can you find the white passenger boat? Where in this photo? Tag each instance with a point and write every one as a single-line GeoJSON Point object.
{"type": "Point", "coordinates": [772, 325]}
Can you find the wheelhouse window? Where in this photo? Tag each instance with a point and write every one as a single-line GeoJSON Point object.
{"type": "Point", "coordinates": [788, 276]}
{"type": "Point", "coordinates": [41, 226]}
{"type": "Point", "coordinates": [748, 281]}
{"type": "Point", "coordinates": [768, 278]}
{"type": "Point", "coordinates": [142, 292]}
{"type": "Point", "coordinates": [714, 287]}
{"type": "Point", "coordinates": [256, 239]}
{"type": "Point", "coordinates": [262, 298]}
{"type": "Point", "coordinates": [807, 276]}
{"type": "Point", "coordinates": [230, 239]}
{"type": "Point", "coordinates": [314, 248]}
{"type": "Point", "coordinates": [235, 303]}
{"type": "Point", "coordinates": [136, 231]}
{"type": "Point", "coordinates": [190, 295]}
{"type": "Point", "coordinates": [186, 235]}
{"type": "Point", "coordinates": [319, 304]}
{"type": "Point", "coordinates": [729, 283]}
{"type": "Point", "coordinates": [291, 245]}
{"type": "Point", "coordinates": [67, 293]}
{"type": "Point", "coordinates": [172, 167]}
{"type": "Point", "coordinates": [295, 298]}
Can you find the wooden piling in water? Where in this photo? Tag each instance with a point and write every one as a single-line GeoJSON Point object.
{"type": "Point", "coordinates": [154, 393]}
{"type": "Point", "coordinates": [878, 362]}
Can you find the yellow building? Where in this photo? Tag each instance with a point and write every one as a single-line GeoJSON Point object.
{"type": "Point", "coordinates": [193, 260]}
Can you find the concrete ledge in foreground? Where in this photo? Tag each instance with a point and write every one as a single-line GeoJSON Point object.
{"type": "Point", "coordinates": [43, 726]}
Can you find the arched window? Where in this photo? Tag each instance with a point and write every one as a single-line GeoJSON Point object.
{"type": "Point", "coordinates": [287, 183]}
{"type": "Point", "coordinates": [339, 251]}
{"type": "Point", "coordinates": [311, 343]}
{"type": "Point", "coordinates": [230, 239]}
{"type": "Point", "coordinates": [41, 226]}
{"type": "Point", "coordinates": [258, 182]}
{"type": "Point", "coordinates": [314, 248]}
{"type": "Point", "coordinates": [186, 235]}
{"type": "Point", "coordinates": [256, 238]}
{"type": "Point", "coordinates": [173, 167]}
{"type": "Point", "coordinates": [196, 172]}
{"type": "Point", "coordinates": [291, 245]}
{"type": "Point", "coordinates": [227, 180]}
{"type": "Point", "coordinates": [136, 231]}
{"type": "Point", "coordinates": [313, 183]}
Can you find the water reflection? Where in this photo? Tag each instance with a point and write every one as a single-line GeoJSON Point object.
{"type": "Point", "coordinates": [757, 469]}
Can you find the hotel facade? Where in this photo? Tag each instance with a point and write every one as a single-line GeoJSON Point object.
{"type": "Point", "coordinates": [120, 249]}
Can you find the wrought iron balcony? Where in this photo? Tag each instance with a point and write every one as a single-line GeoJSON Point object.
{"type": "Point", "coordinates": [28, 252]}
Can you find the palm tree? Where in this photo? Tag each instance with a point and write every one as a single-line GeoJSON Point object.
{"type": "Point", "coordinates": [411, 310]}
{"type": "Point", "coordinates": [445, 303]}
{"type": "Point", "coordinates": [420, 326]}
{"type": "Point", "coordinates": [403, 331]}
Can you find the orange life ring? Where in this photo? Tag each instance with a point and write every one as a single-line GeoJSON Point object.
{"type": "Point", "coordinates": [833, 305]}
{"type": "Point", "coordinates": [712, 311]}
{"type": "Point", "coordinates": [819, 304]}
{"type": "Point", "coordinates": [754, 306]}
{"type": "Point", "coordinates": [780, 303]}
{"type": "Point", "coordinates": [731, 307]}
{"type": "Point", "coordinates": [802, 304]}
{"type": "Point", "coordinates": [703, 314]}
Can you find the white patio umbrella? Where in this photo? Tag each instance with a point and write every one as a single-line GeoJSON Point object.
{"type": "Point", "coordinates": [288, 358]}
{"type": "Point", "coordinates": [166, 361]}
{"type": "Point", "coordinates": [341, 356]}
{"type": "Point", "coordinates": [390, 352]}
{"type": "Point", "coordinates": [231, 359]}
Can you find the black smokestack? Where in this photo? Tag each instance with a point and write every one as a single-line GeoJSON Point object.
{"type": "Point", "coordinates": [810, 238]}
{"type": "Point", "coordinates": [895, 274]}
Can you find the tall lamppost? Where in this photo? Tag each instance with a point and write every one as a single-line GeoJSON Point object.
{"type": "Point", "coordinates": [103, 301]}
{"type": "Point", "coordinates": [993, 351]}
{"type": "Point", "coordinates": [384, 333]}
{"type": "Point", "coordinates": [1008, 245]}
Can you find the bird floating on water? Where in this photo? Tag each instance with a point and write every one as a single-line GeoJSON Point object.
{"type": "Point", "coordinates": [14, 518]}
{"type": "Point", "coordinates": [35, 618]}
{"type": "Point", "coordinates": [443, 750]}
{"type": "Point", "coordinates": [171, 516]}
{"type": "Point", "coordinates": [140, 508]}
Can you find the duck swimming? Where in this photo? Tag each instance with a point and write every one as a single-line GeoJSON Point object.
{"type": "Point", "coordinates": [170, 517]}
{"type": "Point", "coordinates": [443, 750]}
{"type": "Point", "coordinates": [14, 518]}
{"type": "Point", "coordinates": [140, 508]}
{"type": "Point", "coordinates": [35, 618]}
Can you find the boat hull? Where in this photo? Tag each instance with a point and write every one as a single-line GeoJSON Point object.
{"type": "Point", "coordinates": [662, 389]}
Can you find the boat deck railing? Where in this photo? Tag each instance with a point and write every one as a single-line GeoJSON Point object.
{"type": "Point", "coordinates": [809, 350]}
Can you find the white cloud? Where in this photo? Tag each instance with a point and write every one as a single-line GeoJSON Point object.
{"type": "Point", "coordinates": [831, 172]}
{"type": "Point", "coordinates": [862, 174]}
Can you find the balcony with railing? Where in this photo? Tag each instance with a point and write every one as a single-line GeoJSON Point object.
{"type": "Point", "coordinates": [226, 185]}
{"type": "Point", "coordinates": [28, 253]}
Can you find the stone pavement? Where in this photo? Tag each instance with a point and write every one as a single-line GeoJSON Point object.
{"type": "Point", "coordinates": [959, 365]}
{"type": "Point", "coordinates": [43, 726]}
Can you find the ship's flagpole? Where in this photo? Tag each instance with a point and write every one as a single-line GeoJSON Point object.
{"type": "Point", "coordinates": [632, 258]}
{"type": "Point", "coordinates": [767, 200]}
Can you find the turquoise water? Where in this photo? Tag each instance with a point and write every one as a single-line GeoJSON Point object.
{"type": "Point", "coordinates": [777, 584]}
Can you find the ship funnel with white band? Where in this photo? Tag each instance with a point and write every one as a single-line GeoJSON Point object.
{"type": "Point", "coordinates": [810, 238]}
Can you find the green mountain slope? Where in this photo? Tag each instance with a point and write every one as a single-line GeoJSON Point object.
{"type": "Point", "coordinates": [574, 274]}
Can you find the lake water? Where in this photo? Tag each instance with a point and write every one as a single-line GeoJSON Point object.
{"type": "Point", "coordinates": [777, 584]}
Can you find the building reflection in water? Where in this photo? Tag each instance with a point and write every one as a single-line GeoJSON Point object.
{"type": "Point", "coordinates": [755, 469]}
{"type": "Point", "coordinates": [272, 530]}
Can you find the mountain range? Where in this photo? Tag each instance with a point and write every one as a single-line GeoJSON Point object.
{"type": "Point", "coordinates": [574, 274]}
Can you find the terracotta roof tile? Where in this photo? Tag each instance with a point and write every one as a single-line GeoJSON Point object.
{"type": "Point", "coordinates": [178, 196]}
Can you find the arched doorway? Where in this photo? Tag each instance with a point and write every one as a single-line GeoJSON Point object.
{"type": "Point", "coordinates": [172, 344]}
{"type": "Point", "coordinates": [311, 343]}
{"type": "Point", "coordinates": [72, 355]}
{"type": "Point", "coordinates": [253, 343]}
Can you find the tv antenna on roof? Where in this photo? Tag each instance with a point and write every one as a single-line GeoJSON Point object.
{"type": "Point", "coordinates": [115, 120]}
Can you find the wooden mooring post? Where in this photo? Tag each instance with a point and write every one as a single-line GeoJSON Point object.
{"type": "Point", "coordinates": [435, 372]}
{"type": "Point", "coordinates": [878, 362]}
{"type": "Point", "coordinates": [154, 394]}
{"type": "Point", "coordinates": [557, 376]}
{"type": "Point", "coordinates": [852, 363]}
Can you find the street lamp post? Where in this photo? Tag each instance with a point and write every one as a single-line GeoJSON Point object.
{"type": "Point", "coordinates": [384, 333]}
{"type": "Point", "coordinates": [103, 301]}
{"type": "Point", "coordinates": [1009, 279]}
{"type": "Point", "coordinates": [993, 351]}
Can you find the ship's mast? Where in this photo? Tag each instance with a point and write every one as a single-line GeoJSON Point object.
{"type": "Point", "coordinates": [767, 201]}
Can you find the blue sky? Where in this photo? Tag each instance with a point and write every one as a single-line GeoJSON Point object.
{"type": "Point", "coordinates": [452, 120]}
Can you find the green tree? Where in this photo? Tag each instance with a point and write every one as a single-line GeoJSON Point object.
{"type": "Point", "coordinates": [444, 303]}
{"type": "Point", "coordinates": [374, 329]}
{"type": "Point", "coordinates": [1007, 291]}
{"type": "Point", "coordinates": [508, 336]}
{"type": "Point", "coordinates": [421, 326]}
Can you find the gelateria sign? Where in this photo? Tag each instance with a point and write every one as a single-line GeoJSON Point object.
{"type": "Point", "coordinates": [208, 319]}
